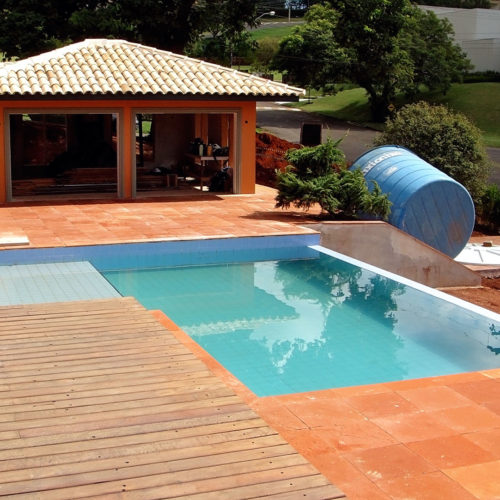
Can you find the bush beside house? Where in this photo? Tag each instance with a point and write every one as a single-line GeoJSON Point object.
{"type": "Point", "coordinates": [445, 139]}
{"type": "Point", "coordinates": [318, 175]}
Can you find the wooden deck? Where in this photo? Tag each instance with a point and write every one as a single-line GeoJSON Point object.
{"type": "Point", "coordinates": [97, 399]}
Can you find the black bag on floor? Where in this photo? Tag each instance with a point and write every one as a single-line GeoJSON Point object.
{"type": "Point", "coordinates": [221, 181]}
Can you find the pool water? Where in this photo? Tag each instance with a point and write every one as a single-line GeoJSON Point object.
{"type": "Point", "coordinates": [301, 324]}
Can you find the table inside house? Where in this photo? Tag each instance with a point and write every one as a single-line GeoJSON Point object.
{"type": "Point", "coordinates": [202, 161]}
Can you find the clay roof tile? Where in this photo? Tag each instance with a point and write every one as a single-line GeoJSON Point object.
{"type": "Point", "coordinates": [115, 66]}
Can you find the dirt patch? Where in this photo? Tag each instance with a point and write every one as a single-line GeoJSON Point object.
{"type": "Point", "coordinates": [487, 296]}
{"type": "Point", "coordinates": [270, 156]}
{"type": "Point", "coordinates": [479, 236]}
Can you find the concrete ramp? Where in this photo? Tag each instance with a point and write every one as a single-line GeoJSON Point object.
{"type": "Point", "coordinates": [382, 245]}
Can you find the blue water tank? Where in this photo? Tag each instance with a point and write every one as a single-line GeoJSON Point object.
{"type": "Point", "coordinates": [426, 203]}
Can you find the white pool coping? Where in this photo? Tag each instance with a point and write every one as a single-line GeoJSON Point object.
{"type": "Point", "coordinates": [414, 284]}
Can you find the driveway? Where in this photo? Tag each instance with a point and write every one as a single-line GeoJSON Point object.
{"type": "Point", "coordinates": [494, 154]}
{"type": "Point", "coordinates": [286, 123]}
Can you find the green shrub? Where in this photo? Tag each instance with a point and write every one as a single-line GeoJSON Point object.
{"type": "Point", "coordinates": [318, 175]}
{"type": "Point", "coordinates": [264, 54]}
{"type": "Point", "coordinates": [445, 139]}
{"type": "Point", "coordinates": [489, 210]}
{"type": "Point", "coordinates": [482, 76]}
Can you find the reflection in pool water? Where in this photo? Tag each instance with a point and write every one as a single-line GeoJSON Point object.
{"type": "Point", "coordinates": [308, 324]}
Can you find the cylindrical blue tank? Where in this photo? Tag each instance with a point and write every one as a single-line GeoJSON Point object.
{"type": "Point", "coordinates": [426, 203]}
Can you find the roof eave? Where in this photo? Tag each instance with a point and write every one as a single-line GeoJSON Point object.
{"type": "Point", "coordinates": [145, 97]}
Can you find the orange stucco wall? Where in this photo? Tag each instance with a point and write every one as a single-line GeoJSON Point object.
{"type": "Point", "coordinates": [3, 180]}
{"type": "Point", "coordinates": [243, 142]}
{"type": "Point", "coordinates": [248, 124]}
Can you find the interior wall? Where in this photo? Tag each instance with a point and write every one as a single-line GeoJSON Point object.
{"type": "Point", "coordinates": [172, 134]}
{"type": "Point", "coordinates": [214, 130]}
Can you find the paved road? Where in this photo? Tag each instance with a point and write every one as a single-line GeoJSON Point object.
{"type": "Point", "coordinates": [277, 24]}
{"type": "Point", "coordinates": [494, 154]}
{"type": "Point", "coordinates": [287, 122]}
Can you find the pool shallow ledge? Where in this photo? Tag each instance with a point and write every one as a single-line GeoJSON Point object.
{"type": "Point", "coordinates": [162, 253]}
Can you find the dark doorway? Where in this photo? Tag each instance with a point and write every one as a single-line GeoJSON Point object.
{"type": "Point", "coordinates": [63, 153]}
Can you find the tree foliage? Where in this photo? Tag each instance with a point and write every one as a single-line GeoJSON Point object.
{"type": "Point", "coordinates": [264, 54]}
{"type": "Point", "coordinates": [445, 139]}
{"type": "Point", "coordinates": [489, 209]}
{"type": "Point", "coordinates": [28, 27]}
{"type": "Point", "coordinates": [318, 175]}
{"type": "Point", "coordinates": [384, 46]}
{"type": "Point", "coordinates": [436, 61]}
{"type": "Point", "coordinates": [223, 24]}
{"type": "Point", "coordinates": [310, 55]}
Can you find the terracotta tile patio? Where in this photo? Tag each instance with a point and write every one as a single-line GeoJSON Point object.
{"type": "Point", "coordinates": [434, 438]}
{"type": "Point", "coordinates": [86, 222]}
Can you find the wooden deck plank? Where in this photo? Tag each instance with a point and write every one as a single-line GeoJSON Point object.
{"type": "Point", "coordinates": [60, 390]}
{"type": "Point", "coordinates": [243, 421]}
{"type": "Point", "coordinates": [85, 398]}
{"type": "Point", "coordinates": [99, 400]}
{"type": "Point", "coordinates": [51, 351]}
{"type": "Point", "coordinates": [173, 485]}
{"type": "Point", "coordinates": [49, 476]}
{"type": "Point", "coordinates": [314, 489]}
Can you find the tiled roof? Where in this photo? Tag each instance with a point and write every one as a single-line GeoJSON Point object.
{"type": "Point", "coordinates": [101, 67]}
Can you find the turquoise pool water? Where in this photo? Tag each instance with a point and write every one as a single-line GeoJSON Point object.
{"type": "Point", "coordinates": [302, 320]}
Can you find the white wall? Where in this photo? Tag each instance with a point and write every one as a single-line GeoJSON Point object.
{"type": "Point", "coordinates": [484, 54]}
{"type": "Point", "coordinates": [477, 31]}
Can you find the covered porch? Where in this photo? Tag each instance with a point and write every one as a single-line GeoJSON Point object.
{"type": "Point", "coordinates": [113, 119]}
{"type": "Point", "coordinates": [119, 151]}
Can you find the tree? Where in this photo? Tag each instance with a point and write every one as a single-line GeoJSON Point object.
{"type": "Point", "coordinates": [28, 27]}
{"type": "Point", "coordinates": [368, 30]}
{"type": "Point", "coordinates": [436, 61]}
{"type": "Point", "coordinates": [310, 55]}
{"type": "Point", "coordinates": [264, 54]}
{"type": "Point", "coordinates": [166, 24]}
{"type": "Point", "coordinates": [224, 23]}
{"type": "Point", "coordinates": [445, 139]}
{"type": "Point", "coordinates": [222, 50]}
{"type": "Point", "coordinates": [318, 175]}
{"type": "Point", "coordinates": [384, 46]}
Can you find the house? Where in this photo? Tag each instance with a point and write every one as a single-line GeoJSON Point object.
{"type": "Point", "coordinates": [111, 118]}
{"type": "Point", "coordinates": [477, 32]}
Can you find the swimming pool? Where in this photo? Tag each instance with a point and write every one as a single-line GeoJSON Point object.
{"type": "Point", "coordinates": [285, 315]}
{"type": "Point", "coordinates": [315, 321]}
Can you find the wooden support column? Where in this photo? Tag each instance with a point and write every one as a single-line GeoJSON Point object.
{"type": "Point", "coordinates": [224, 130]}
{"type": "Point", "coordinates": [201, 126]}
{"type": "Point", "coordinates": [247, 138]}
{"type": "Point", "coordinates": [3, 159]}
{"type": "Point", "coordinates": [128, 152]}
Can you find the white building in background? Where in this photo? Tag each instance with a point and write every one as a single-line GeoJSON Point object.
{"type": "Point", "coordinates": [477, 31]}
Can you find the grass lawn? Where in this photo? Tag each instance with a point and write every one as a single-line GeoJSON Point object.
{"type": "Point", "coordinates": [275, 33]}
{"type": "Point", "coordinates": [480, 102]}
{"type": "Point", "coordinates": [349, 105]}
